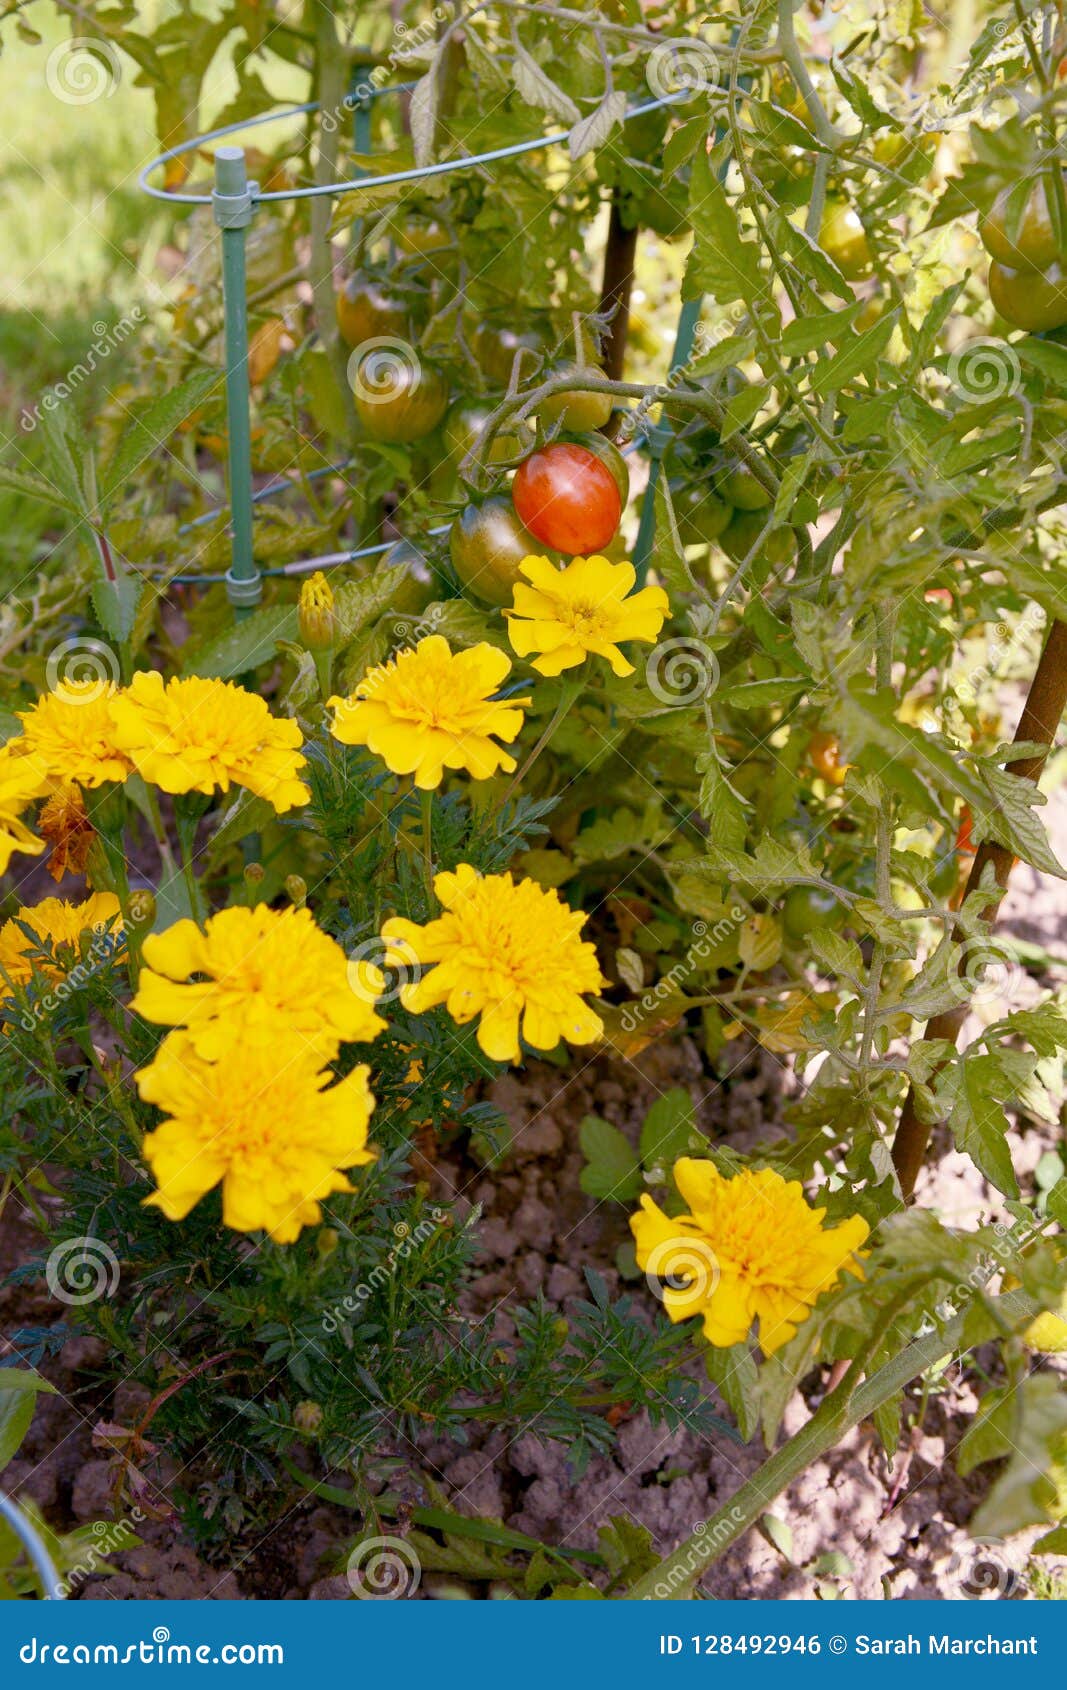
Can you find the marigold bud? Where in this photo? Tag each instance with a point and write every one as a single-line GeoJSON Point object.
{"type": "Point", "coordinates": [141, 909]}
{"type": "Point", "coordinates": [327, 1240]}
{"type": "Point", "coordinates": [297, 888]}
{"type": "Point", "coordinates": [318, 625]}
{"type": "Point", "coordinates": [254, 874]}
{"type": "Point", "coordinates": [307, 1416]}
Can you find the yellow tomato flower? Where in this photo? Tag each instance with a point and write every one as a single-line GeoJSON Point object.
{"type": "Point", "coordinates": [257, 970]}
{"type": "Point", "coordinates": [749, 1249]}
{"type": "Point", "coordinates": [264, 1120]}
{"type": "Point", "coordinates": [501, 951]}
{"type": "Point", "coordinates": [21, 781]}
{"type": "Point", "coordinates": [587, 607]}
{"type": "Point", "coordinates": [58, 925]}
{"type": "Point", "coordinates": [432, 709]}
{"type": "Point", "coordinates": [70, 734]}
{"type": "Point", "coordinates": [196, 735]}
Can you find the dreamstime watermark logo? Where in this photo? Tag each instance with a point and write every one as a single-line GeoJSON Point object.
{"type": "Point", "coordinates": [107, 339]}
{"type": "Point", "coordinates": [420, 630]}
{"type": "Point", "coordinates": [384, 369]}
{"type": "Point", "coordinates": [109, 1537]}
{"type": "Point", "coordinates": [383, 1569]}
{"type": "Point", "coordinates": [107, 943]}
{"type": "Point", "coordinates": [83, 70]}
{"type": "Point", "coordinates": [410, 41]}
{"type": "Point", "coordinates": [1009, 1237]}
{"type": "Point", "coordinates": [88, 667]}
{"type": "Point", "coordinates": [705, 941]}
{"type": "Point", "coordinates": [683, 65]}
{"type": "Point", "coordinates": [408, 1238]}
{"type": "Point", "coordinates": [682, 671]}
{"type": "Point", "coordinates": [688, 1266]}
{"type": "Point", "coordinates": [979, 1571]}
{"type": "Point", "coordinates": [988, 974]}
{"type": "Point", "coordinates": [705, 336]}
{"type": "Point", "coordinates": [379, 969]}
{"type": "Point", "coordinates": [1003, 641]}
{"type": "Point", "coordinates": [709, 1536]}
{"type": "Point", "coordinates": [80, 1270]}
{"type": "Point", "coordinates": [985, 369]}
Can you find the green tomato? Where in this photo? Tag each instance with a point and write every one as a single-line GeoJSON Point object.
{"type": "Point", "coordinates": [464, 424]}
{"type": "Point", "coordinates": [1034, 246]}
{"type": "Point", "coordinates": [367, 308]}
{"type": "Point", "coordinates": [487, 544]}
{"type": "Point", "coordinates": [398, 400]}
{"type": "Point", "coordinates": [1034, 300]}
{"type": "Point", "coordinates": [844, 239]}
{"type": "Point", "coordinates": [744, 530]}
{"type": "Point", "coordinates": [580, 412]}
{"type": "Point", "coordinates": [701, 516]}
{"type": "Point", "coordinates": [740, 488]}
{"type": "Point", "coordinates": [495, 348]}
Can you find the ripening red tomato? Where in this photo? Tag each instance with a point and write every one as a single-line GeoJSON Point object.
{"type": "Point", "coordinates": [568, 499]}
{"type": "Point", "coordinates": [824, 755]}
{"type": "Point", "coordinates": [963, 834]}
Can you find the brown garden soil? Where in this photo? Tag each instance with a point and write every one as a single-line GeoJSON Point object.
{"type": "Point", "coordinates": [901, 1526]}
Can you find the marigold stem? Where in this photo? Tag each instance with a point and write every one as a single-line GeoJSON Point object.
{"type": "Point", "coordinates": [678, 1573]}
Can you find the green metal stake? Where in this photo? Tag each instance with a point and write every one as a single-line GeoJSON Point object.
{"type": "Point", "coordinates": [659, 439]}
{"type": "Point", "coordinates": [361, 131]}
{"type": "Point", "coordinates": [232, 205]}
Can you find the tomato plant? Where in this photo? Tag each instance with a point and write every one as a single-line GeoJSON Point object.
{"type": "Point", "coordinates": [683, 718]}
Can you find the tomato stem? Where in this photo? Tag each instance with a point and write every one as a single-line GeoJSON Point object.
{"type": "Point", "coordinates": [1045, 703]}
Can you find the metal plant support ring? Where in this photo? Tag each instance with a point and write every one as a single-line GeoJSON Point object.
{"type": "Point", "coordinates": [47, 1573]}
{"type": "Point", "coordinates": [234, 202]}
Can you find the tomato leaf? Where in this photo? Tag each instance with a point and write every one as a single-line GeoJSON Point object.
{"type": "Point", "coordinates": [722, 263]}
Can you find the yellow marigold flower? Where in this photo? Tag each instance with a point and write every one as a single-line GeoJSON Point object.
{"type": "Point", "coordinates": [265, 1121]}
{"type": "Point", "coordinates": [257, 970]}
{"type": "Point", "coordinates": [196, 735]}
{"type": "Point", "coordinates": [20, 783]}
{"type": "Point", "coordinates": [58, 925]}
{"type": "Point", "coordinates": [750, 1249]}
{"type": "Point", "coordinates": [587, 607]}
{"type": "Point", "coordinates": [66, 826]}
{"type": "Point", "coordinates": [501, 951]}
{"type": "Point", "coordinates": [70, 734]}
{"type": "Point", "coordinates": [432, 709]}
{"type": "Point", "coordinates": [1047, 1332]}
{"type": "Point", "coordinates": [318, 627]}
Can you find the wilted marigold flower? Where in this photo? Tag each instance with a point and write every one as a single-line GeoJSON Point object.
{"type": "Point", "coordinates": [70, 734]}
{"type": "Point", "coordinates": [66, 826]}
{"type": "Point", "coordinates": [21, 781]}
{"type": "Point", "coordinates": [58, 925]}
{"type": "Point", "coordinates": [432, 709]}
{"type": "Point", "coordinates": [257, 970]}
{"type": "Point", "coordinates": [196, 735]}
{"type": "Point", "coordinates": [315, 613]}
{"type": "Point", "coordinates": [501, 951]}
{"type": "Point", "coordinates": [749, 1249]}
{"type": "Point", "coordinates": [589, 606]}
{"type": "Point", "coordinates": [264, 1120]}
